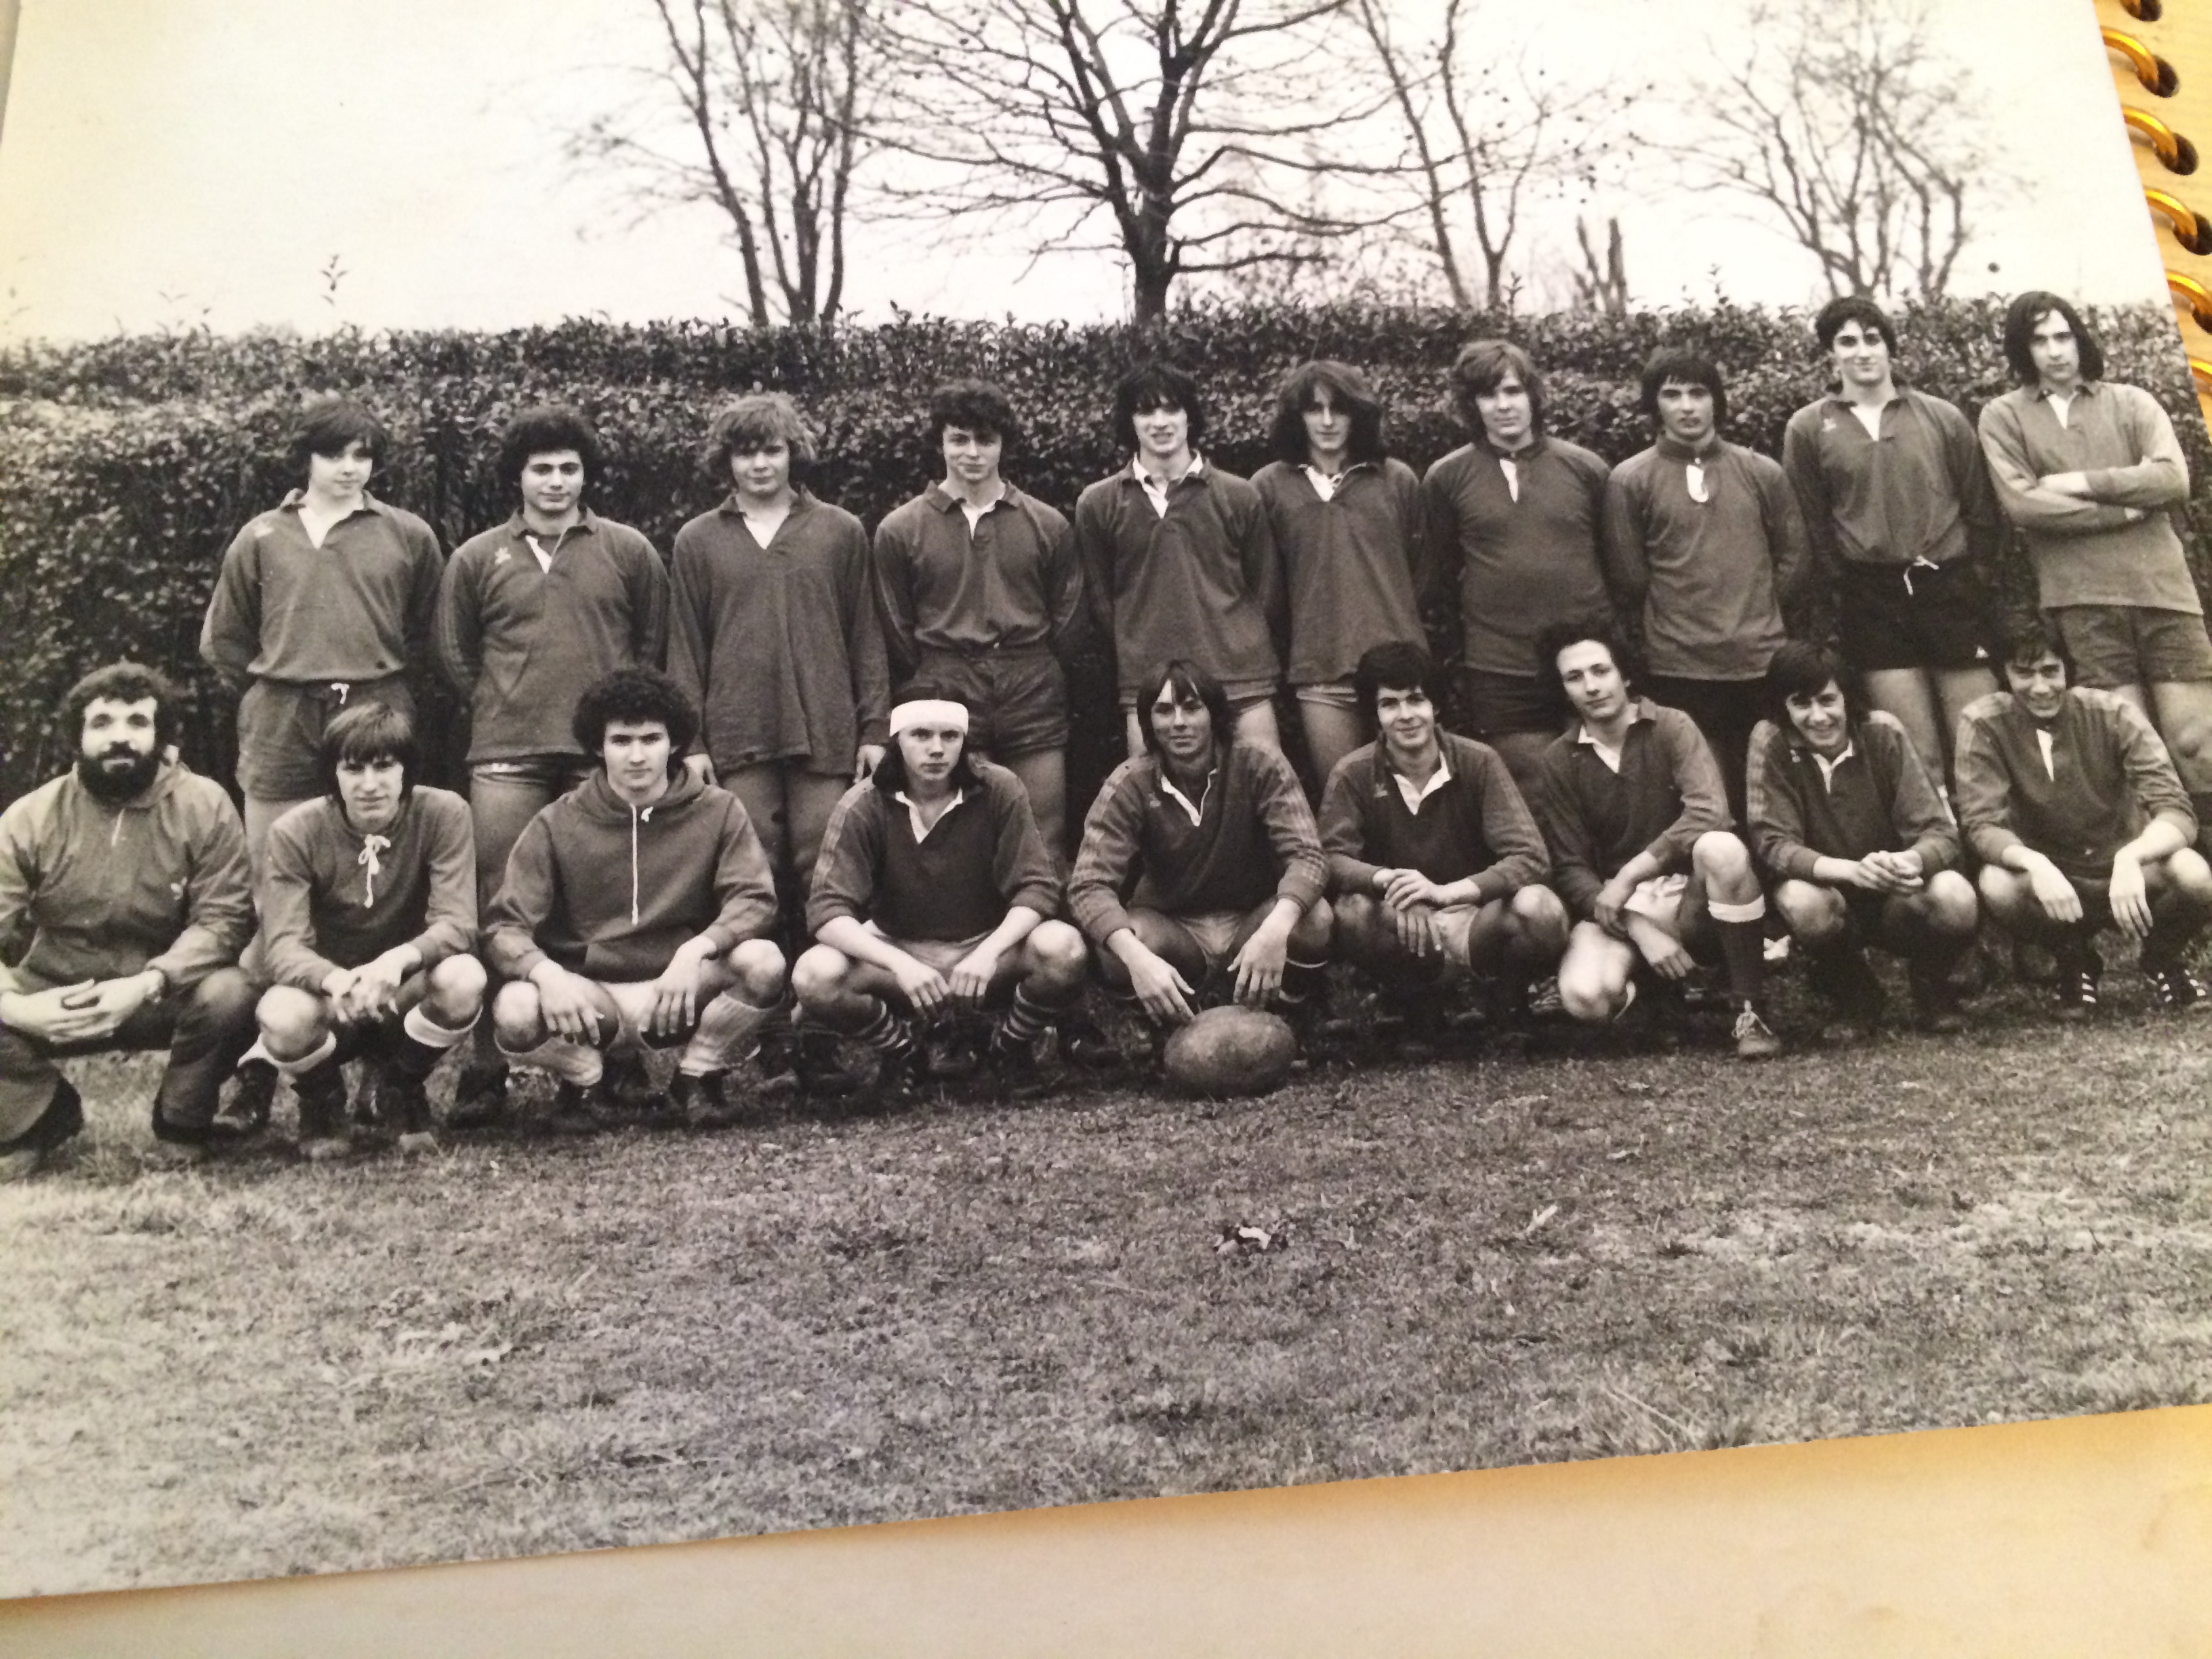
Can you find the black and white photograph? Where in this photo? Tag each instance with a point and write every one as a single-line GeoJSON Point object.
{"type": "Point", "coordinates": [769, 764]}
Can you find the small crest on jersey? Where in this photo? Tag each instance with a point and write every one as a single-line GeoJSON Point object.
{"type": "Point", "coordinates": [502, 556]}
{"type": "Point", "coordinates": [176, 889]}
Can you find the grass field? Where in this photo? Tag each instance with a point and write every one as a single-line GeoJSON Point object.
{"type": "Point", "coordinates": [519, 1346]}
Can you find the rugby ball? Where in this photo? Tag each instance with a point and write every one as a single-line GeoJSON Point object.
{"type": "Point", "coordinates": [1230, 1051]}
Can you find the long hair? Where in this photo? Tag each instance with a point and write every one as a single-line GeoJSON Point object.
{"type": "Point", "coordinates": [363, 734]}
{"type": "Point", "coordinates": [760, 420]}
{"type": "Point", "coordinates": [1188, 679]}
{"type": "Point", "coordinates": [1481, 368]}
{"type": "Point", "coordinates": [889, 776]}
{"type": "Point", "coordinates": [1802, 669]}
{"type": "Point", "coordinates": [2021, 318]}
{"type": "Point", "coordinates": [1348, 389]}
{"type": "Point", "coordinates": [332, 427]}
{"type": "Point", "coordinates": [1158, 385]}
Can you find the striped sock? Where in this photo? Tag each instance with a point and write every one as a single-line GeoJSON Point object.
{"type": "Point", "coordinates": [885, 1032]}
{"type": "Point", "coordinates": [1024, 1023]}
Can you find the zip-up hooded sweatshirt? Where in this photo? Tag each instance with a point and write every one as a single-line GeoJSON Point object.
{"type": "Point", "coordinates": [332, 897]}
{"type": "Point", "coordinates": [109, 889]}
{"type": "Point", "coordinates": [611, 891]}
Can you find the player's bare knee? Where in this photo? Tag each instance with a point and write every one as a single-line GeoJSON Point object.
{"type": "Point", "coordinates": [1725, 864]}
{"type": "Point", "coordinates": [819, 977]}
{"type": "Point", "coordinates": [291, 1022]}
{"type": "Point", "coordinates": [756, 972]}
{"type": "Point", "coordinates": [1812, 914]}
{"type": "Point", "coordinates": [456, 989]}
{"type": "Point", "coordinates": [515, 1016]}
{"type": "Point", "coordinates": [1949, 903]}
{"type": "Point", "coordinates": [1537, 920]}
{"type": "Point", "coordinates": [1062, 960]}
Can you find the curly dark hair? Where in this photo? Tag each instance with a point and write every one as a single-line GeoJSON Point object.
{"type": "Point", "coordinates": [1401, 664]}
{"type": "Point", "coordinates": [1852, 308]}
{"type": "Point", "coordinates": [973, 406]}
{"type": "Point", "coordinates": [544, 430]}
{"type": "Point", "coordinates": [124, 682]}
{"type": "Point", "coordinates": [635, 695]}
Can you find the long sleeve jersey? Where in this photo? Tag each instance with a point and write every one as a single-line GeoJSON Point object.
{"type": "Point", "coordinates": [2076, 790]}
{"type": "Point", "coordinates": [1876, 797]}
{"type": "Point", "coordinates": [2087, 552]}
{"type": "Point", "coordinates": [109, 889]}
{"type": "Point", "coordinates": [1202, 582]}
{"type": "Point", "coordinates": [1348, 562]}
{"type": "Point", "coordinates": [611, 891]}
{"type": "Point", "coordinates": [1666, 794]}
{"type": "Point", "coordinates": [1475, 824]}
{"type": "Point", "coordinates": [360, 607]}
{"type": "Point", "coordinates": [780, 646]}
{"type": "Point", "coordinates": [1009, 581]}
{"type": "Point", "coordinates": [332, 897]}
{"type": "Point", "coordinates": [978, 860]}
{"type": "Point", "coordinates": [1713, 573]}
{"type": "Point", "coordinates": [521, 641]}
{"type": "Point", "coordinates": [1512, 554]}
{"type": "Point", "coordinates": [1254, 839]}
{"type": "Point", "coordinates": [1918, 493]}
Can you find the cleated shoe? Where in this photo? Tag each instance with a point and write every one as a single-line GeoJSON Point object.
{"type": "Point", "coordinates": [577, 1110]}
{"type": "Point", "coordinates": [322, 1095]}
{"type": "Point", "coordinates": [702, 1102]}
{"type": "Point", "coordinates": [2178, 991]}
{"type": "Point", "coordinates": [1754, 1039]}
{"type": "Point", "coordinates": [479, 1098]}
{"type": "Point", "coordinates": [253, 1092]}
{"type": "Point", "coordinates": [404, 1104]}
{"type": "Point", "coordinates": [1018, 1072]}
{"type": "Point", "coordinates": [626, 1085]}
{"type": "Point", "coordinates": [1935, 1002]}
{"type": "Point", "coordinates": [1084, 1045]}
{"type": "Point", "coordinates": [950, 1053]}
{"type": "Point", "coordinates": [822, 1073]}
{"type": "Point", "coordinates": [777, 1059]}
{"type": "Point", "coordinates": [2076, 996]}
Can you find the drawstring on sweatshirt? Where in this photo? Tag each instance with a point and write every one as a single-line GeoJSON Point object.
{"type": "Point", "coordinates": [370, 846]}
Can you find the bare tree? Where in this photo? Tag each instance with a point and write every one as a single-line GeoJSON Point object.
{"type": "Point", "coordinates": [773, 98]}
{"type": "Point", "coordinates": [1602, 288]}
{"type": "Point", "coordinates": [1845, 122]}
{"type": "Point", "coordinates": [1484, 135]}
{"type": "Point", "coordinates": [1184, 135]}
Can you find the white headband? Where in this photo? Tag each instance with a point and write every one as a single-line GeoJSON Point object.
{"type": "Point", "coordinates": [930, 711]}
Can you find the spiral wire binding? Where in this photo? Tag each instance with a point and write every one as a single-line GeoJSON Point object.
{"type": "Point", "coordinates": [2178, 155]}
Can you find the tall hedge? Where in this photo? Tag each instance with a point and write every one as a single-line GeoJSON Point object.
{"type": "Point", "coordinates": [127, 464]}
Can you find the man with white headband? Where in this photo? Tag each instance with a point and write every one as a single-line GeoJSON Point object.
{"type": "Point", "coordinates": [933, 896]}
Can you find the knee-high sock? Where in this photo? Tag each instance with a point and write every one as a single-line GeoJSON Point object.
{"type": "Point", "coordinates": [422, 1043]}
{"type": "Point", "coordinates": [1743, 946]}
{"type": "Point", "coordinates": [728, 1028]}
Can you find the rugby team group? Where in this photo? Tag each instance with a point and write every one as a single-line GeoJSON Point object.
{"type": "Point", "coordinates": [1694, 685]}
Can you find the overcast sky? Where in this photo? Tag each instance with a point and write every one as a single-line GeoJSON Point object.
{"type": "Point", "coordinates": [167, 162]}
